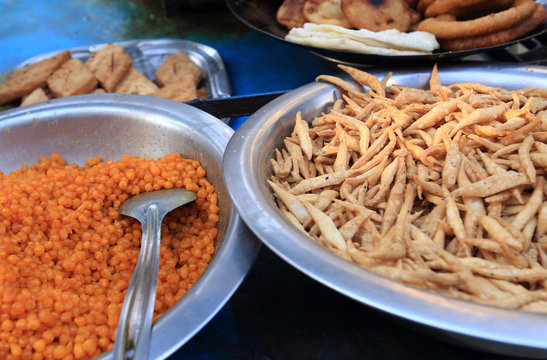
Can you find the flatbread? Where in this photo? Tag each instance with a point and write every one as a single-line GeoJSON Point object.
{"type": "Point", "coordinates": [387, 42]}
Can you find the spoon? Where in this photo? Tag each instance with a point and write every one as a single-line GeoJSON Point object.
{"type": "Point", "coordinates": [135, 324]}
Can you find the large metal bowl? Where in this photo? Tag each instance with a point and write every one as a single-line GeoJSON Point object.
{"type": "Point", "coordinates": [110, 126]}
{"type": "Point", "coordinates": [247, 166]}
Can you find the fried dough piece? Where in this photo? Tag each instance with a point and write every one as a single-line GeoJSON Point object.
{"type": "Point", "coordinates": [72, 78]}
{"type": "Point", "coordinates": [109, 64]}
{"type": "Point", "coordinates": [182, 90]}
{"type": "Point", "coordinates": [480, 9]}
{"type": "Point", "coordinates": [291, 14]}
{"type": "Point", "coordinates": [134, 82]}
{"type": "Point", "coordinates": [521, 9]}
{"type": "Point", "coordinates": [377, 15]}
{"type": "Point", "coordinates": [325, 12]}
{"type": "Point", "coordinates": [175, 66]}
{"type": "Point", "coordinates": [202, 93]}
{"type": "Point", "coordinates": [38, 95]}
{"type": "Point", "coordinates": [439, 7]}
{"type": "Point", "coordinates": [498, 37]}
{"type": "Point", "coordinates": [24, 81]}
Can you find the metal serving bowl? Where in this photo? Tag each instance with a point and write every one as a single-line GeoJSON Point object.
{"type": "Point", "coordinates": [247, 167]}
{"type": "Point", "coordinates": [111, 126]}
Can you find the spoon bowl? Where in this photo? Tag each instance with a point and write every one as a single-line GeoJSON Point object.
{"type": "Point", "coordinates": [135, 324]}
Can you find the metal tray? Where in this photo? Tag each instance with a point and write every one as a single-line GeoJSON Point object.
{"type": "Point", "coordinates": [147, 56]}
{"type": "Point", "coordinates": [260, 15]}
{"type": "Point", "coordinates": [112, 125]}
{"type": "Point", "coordinates": [247, 167]}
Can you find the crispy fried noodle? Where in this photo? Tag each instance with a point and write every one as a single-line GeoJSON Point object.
{"type": "Point", "coordinates": [442, 188]}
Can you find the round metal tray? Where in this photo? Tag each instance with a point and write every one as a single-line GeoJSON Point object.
{"type": "Point", "coordinates": [247, 167]}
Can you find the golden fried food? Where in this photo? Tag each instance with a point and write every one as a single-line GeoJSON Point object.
{"type": "Point", "coordinates": [25, 80]}
{"type": "Point", "coordinates": [108, 69]}
{"type": "Point", "coordinates": [174, 68]}
{"type": "Point", "coordinates": [498, 37]}
{"type": "Point", "coordinates": [291, 14]}
{"type": "Point", "coordinates": [182, 90]}
{"type": "Point", "coordinates": [439, 7]}
{"type": "Point", "coordinates": [377, 15]}
{"type": "Point", "coordinates": [442, 188]}
{"type": "Point", "coordinates": [37, 95]}
{"type": "Point", "coordinates": [457, 24]}
{"type": "Point", "coordinates": [521, 10]}
{"type": "Point", "coordinates": [72, 78]}
{"type": "Point", "coordinates": [134, 82]}
{"type": "Point", "coordinates": [109, 64]}
{"type": "Point", "coordinates": [67, 255]}
{"type": "Point", "coordinates": [325, 12]}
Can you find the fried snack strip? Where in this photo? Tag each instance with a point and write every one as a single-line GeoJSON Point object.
{"type": "Point", "coordinates": [497, 37]}
{"type": "Point", "coordinates": [521, 10]}
{"type": "Point", "coordinates": [451, 198]}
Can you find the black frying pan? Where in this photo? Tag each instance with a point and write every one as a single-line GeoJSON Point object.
{"type": "Point", "coordinates": [260, 15]}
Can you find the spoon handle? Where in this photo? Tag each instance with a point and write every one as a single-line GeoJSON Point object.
{"type": "Point", "coordinates": [133, 334]}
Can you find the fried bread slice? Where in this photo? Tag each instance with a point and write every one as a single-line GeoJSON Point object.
{"type": "Point", "coordinates": [38, 95]}
{"type": "Point", "coordinates": [175, 66]}
{"type": "Point", "coordinates": [134, 82]}
{"type": "Point", "coordinates": [109, 64]}
{"type": "Point", "coordinates": [24, 81]}
{"type": "Point", "coordinates": [72, 78]}
{"type": "Point", "coordinates": [182, 90]}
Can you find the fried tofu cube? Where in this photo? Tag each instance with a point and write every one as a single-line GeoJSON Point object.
{"type": "Point", "coordinates": [24, 81]}
{"type": "Point", "coordinates": [109, 64]}
{"type": "Point", "coordinates": [38, 95]}
{"type": "Point", "coordinates": [134, 82]}
{"type": "Point", "coordinates": [181, 90]}
{"type": "Point", "coordinates": [72, 78]}
{"type": "Point", "coordinates": [175, 66]}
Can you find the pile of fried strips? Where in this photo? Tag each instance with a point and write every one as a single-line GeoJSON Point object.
{"type": "Point", "coordinates": [441, 188]}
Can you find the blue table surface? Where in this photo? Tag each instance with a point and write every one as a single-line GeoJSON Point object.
{"type": "Point", "coordinates": [277, 313]}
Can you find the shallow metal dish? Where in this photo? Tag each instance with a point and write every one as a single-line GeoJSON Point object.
{"type": "Point", "coordinates": [148, 54]}
{"type": "Point", "coordinates": [110, 126]}
{"type": "Point", "coordinates": [247, 166]}
{"type": "Point", "coordinates": [260, 16]}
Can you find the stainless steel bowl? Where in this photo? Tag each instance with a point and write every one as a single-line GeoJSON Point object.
{"type": "Point", "coordinates": [247, 166]}
{"type": "Point", "coordinates": [110, 126]}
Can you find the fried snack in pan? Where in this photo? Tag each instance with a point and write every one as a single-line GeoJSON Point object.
{"type": "Point", "coordinates": [25, 80]}
{"type": "Point", "coordinates": [498, 37]}
{"type": "Point", "coordinates": [377, 15]}
{"type": "Point", "coordinates": [290, 14]}
{"type": "Point", "coordinates": [505, 19]}
{"type": "Point", "coordinates": [325, 12]}
{"type": "Point", "coordinates": [439, 7]}
{"type": "Point", "coordinates": [480, 9]}
{"type": "Point", "coordinates": [431, 201]}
